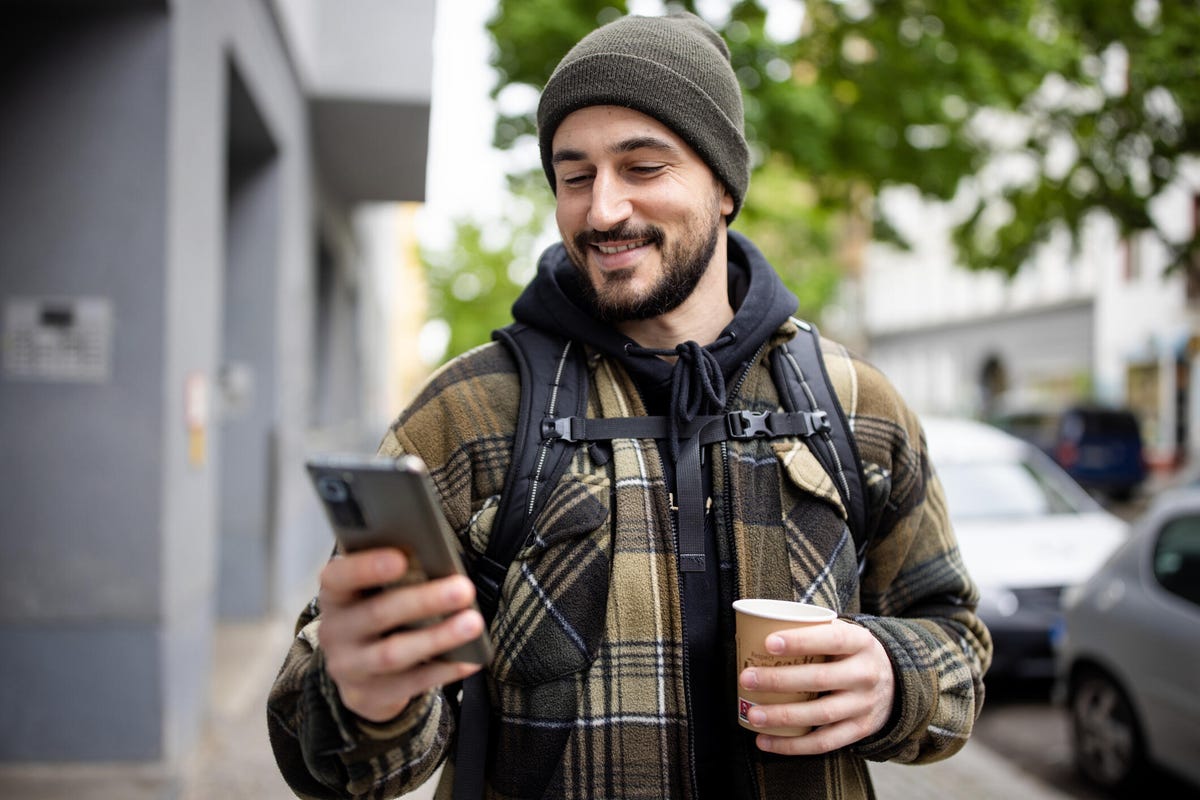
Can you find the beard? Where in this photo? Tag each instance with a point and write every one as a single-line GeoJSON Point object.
{"type": "Point", "coordinates": [684, 263]}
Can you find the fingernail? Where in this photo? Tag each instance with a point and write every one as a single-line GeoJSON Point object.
{"type": "Point", "coordinates": [386, 563]}
{"type": "Point", "coordinates": [455, 592]}
{"type": "Point", "coordinates": [467, 622]}
{"type": "Point", "coordinates": [750, 679]}
{"type": "Point", "coordinates": [775, 644]}
{"type": "Point", "coordinates": [757, 716]}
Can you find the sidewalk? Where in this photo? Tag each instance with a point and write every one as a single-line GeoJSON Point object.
{"type": "Point", "coordinates": [234, 761]}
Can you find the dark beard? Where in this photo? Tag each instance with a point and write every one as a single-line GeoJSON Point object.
{"type": "Point", "coordinates": [683, 267]}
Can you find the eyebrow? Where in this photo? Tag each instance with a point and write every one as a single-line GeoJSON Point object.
{"type": "Point", "coordinates": [623, 146]}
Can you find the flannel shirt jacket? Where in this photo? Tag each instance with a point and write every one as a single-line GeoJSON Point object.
{"type": "Point", "coordinates": [588, 681]}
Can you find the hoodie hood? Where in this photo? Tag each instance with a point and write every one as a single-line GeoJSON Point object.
{"type": "Point", "coordinates": [554, 302]}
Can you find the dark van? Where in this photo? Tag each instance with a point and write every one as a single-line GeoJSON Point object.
{"type": "Point", "coordinates": [1098, 446]}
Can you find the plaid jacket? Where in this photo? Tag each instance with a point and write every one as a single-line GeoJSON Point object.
{"type": "Point", "coordinates": [588, 677]}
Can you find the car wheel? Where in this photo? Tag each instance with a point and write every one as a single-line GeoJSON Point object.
{"type": "Point", "coordinates": [1107, 741]}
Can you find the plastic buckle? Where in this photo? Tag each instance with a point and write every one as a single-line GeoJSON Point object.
{"type": "Point", "coordinates": [815, 421]}
{"type": "Point", "coordinates": [557, 429]}
{"type": "Point", "coordinates": [747, 424]}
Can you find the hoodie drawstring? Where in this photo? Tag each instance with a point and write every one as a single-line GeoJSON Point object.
{"type": "Point", "coordinates": [696, 377]}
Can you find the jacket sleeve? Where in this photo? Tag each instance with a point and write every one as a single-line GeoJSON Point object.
{"type": "Point", "coordinates": [324, 751]}
{"type": "Point", "coordinates": [916, 595]}
{"type": "Point", "coordinates": [461, 424]}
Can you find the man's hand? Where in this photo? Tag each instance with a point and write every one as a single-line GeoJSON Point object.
{"type": "Point", "coordinates": [377, 675]}
{"type": "Point", "coordinates": [856, 685]}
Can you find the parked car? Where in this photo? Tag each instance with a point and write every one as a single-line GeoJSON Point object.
{"type": "Point", "coordinates": [1130, 661]}
{"type": "Point", "coordinates": [1100, 447]}
{"type": "Point", "coordinates": [1026, 531]}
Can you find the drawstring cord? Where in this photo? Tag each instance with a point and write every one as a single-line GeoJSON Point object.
{"type": "Point", "coordinates": [696, 376]}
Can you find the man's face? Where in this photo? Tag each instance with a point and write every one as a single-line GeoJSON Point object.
{"type": "Point", "coordinates": [639, 212]}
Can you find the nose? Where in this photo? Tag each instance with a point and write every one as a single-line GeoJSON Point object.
{"type": "Point", "coordinates": [610, 204]}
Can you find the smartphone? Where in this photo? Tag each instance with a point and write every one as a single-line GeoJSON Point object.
{"type": "Point", "coordinates": [376, 501]}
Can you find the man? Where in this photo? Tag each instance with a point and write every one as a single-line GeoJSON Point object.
{"type": "Point", "coordinates": [614, 674]}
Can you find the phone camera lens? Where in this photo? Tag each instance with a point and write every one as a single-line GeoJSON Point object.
{"type": "Point", "coordinates": [334, 490]}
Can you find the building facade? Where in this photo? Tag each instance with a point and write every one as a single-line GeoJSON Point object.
{"type": "Point", "coordinates": [189, 291]}
{"type": "Point", "coordinates": [1107, 324]}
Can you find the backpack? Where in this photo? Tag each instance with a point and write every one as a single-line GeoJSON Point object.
{"type": "Point", "coordinates": [552, 423]}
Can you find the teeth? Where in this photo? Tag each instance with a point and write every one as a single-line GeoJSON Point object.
{"type": "Point", "coordinates": [609, 250]}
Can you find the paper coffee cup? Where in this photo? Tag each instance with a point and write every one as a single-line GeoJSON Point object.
{"type": "Point", "coordinates": [757, 619]}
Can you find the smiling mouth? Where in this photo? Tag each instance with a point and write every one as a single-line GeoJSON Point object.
{"type": "Point", "coordinates": [612, 249]}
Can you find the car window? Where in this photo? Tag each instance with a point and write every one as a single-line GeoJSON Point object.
{"type": "Point", "coordinates": [1102, 424]}
{"type": "Point", "coordinates": [1177, 558]}
{"type": "Point", "coordinates": [1001, 489]}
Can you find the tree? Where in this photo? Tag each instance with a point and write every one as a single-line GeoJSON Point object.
{"type": "Point", "coordinates": [1099, 97]}
{"type": "Point", "coordinates": [475, 281]}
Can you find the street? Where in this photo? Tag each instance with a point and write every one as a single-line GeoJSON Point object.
{"type": "Point", "coordinates": [1022, 725]}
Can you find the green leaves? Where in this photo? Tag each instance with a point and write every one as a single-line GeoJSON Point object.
{"type": "Point", "coordinates": [876, 93]}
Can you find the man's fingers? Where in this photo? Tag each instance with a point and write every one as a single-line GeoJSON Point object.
{"type": "Point", "coordinates": [403, 650]}
{"type": "Point", "coordinates": [818, 676]}
{"type": "Point", "coordinates": [369, 618]}
{"type": "Point", "coordinates": [409, 605]}
{"type": "Point", "coordinates": [346, 576]}
{"type": "Point", "coordinates": [824, 710]}
{"type": "Point", "coordinates": [815, 742]}
{"type": "Point", "coordinates": [835, 639]}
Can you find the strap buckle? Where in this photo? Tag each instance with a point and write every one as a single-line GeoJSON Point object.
{"type": "Point", "coordinates": [815, 421]}
{"type": "Point", "coordinates": [747, 424]}
{"type": "Point", "coordinates": [557, 428]}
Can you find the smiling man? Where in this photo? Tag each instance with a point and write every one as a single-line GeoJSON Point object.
{"type": "Point", "coordinates": [614, 673]}
{"type": "Point", "coordinates": [628, 191]}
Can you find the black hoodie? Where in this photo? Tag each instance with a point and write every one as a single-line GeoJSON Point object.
{"type": "Point", "coordinates": [554, 301]}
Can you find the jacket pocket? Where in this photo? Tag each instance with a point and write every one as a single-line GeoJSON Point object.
{"type": "Point", "coordinates": [821, 554]}
{"type": "Point", "coordinates": [552, 608]}
{"type": "Point", "coordinates": [803, 470]}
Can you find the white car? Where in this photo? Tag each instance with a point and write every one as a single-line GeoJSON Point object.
{"type": "Point", "coordinates": [1130, 662]}
{"type": "Point", "coordinates": [1026, 531]}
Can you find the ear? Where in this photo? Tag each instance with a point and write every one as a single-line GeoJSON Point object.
{"type": "Point", "coordinates": [726, 202]}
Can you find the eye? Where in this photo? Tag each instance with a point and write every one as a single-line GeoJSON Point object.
{"type": "Point", "coordinates": [575, 179]}
{"type": "Point", "coordinates": [647, 169]}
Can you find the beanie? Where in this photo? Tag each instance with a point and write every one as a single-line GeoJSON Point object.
{"type": "Point", "coordinates": [675, 69]}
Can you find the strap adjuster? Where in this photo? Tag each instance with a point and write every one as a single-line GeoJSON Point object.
{"type": "Point", "coordinates": [557, 428]}
{"type": "Point", "coordinates": [755, 424]}
{"type": "Point", "coordinates": [815, 421]}
{"type": "Point", "coordinates": [747, 424]}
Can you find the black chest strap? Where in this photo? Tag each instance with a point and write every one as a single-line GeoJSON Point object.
{"type": "Point", "coordinates": [703, 430]}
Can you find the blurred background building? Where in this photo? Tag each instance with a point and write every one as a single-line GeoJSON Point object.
{"type": "Point", "coordinates": [197, 290]}
{"type": "Point", "coordinates": [1108, 325]}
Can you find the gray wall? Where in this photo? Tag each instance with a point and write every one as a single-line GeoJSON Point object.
{"type": "Point", "coordinates": [246, 378]}
{"type": "Point", "coordinates": [83, 210]}
{"type": "Point", "coordinates": [134, 174]}
{"type": "Point", "coordinates": [158, 166]}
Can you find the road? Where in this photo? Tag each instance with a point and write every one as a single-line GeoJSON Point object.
{"type": "Point", "coordinates": [1021, 724]}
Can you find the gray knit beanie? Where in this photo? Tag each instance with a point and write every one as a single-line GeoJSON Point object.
{"type": "Point", "coordinates": [674, 68]}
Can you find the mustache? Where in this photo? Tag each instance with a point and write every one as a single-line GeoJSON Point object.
{"type": "Point", "coordinates": [621, 233]}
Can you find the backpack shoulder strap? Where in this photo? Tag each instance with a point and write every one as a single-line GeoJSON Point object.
{"type": "Point", "coordinates": [554, 383]}
{"type": "Point", "coordinates": [553, 375]}
{"type": "Point", "coordinates": [798, 369]}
